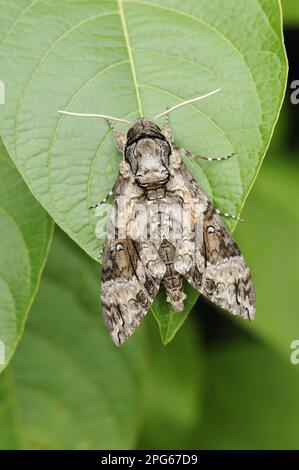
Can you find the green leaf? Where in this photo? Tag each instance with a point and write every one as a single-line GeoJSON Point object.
{"type": "Point", "coordinates": [25, 235]}
{"type": "Point", "coordinates": [251, 400]}
{"type": "Point", "coordinates": [68, 386]}
{"type": "Point", "coordinates": [104, 57]}
{"type": "Point", "coordinates": [272, 248]}
{"type": "Point", "coordinates": [169, 320]}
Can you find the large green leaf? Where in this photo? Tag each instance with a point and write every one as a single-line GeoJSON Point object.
{"type": "Point", "coordinates": [25, 234]}
{"type": "Point", "coordinates": [68, 386]}
{"type": "Point", "coordinates": [132, 58]}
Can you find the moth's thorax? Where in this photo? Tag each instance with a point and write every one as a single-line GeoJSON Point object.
{"type": "Point", "coordinates": [147, 151]}
{"type": "Point", "coordinates": [143, 128]}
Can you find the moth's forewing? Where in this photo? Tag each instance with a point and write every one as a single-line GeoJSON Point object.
{"type": "Point", "coordinates": [218, 270]}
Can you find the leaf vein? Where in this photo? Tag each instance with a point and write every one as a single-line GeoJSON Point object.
{"type": "Point", "coordinates": [209, 25]}
{"type": "Point", "coordinates": [130, 54]}
{"type": "Point", "coordinates": [82, 87]}
{"type": "Point", "coordinates": [40, 62]}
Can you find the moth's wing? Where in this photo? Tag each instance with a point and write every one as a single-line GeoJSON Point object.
{"type": "Point", "coordinates": [130, 281]}
{"type": "Point", "coordinates": [212, 262]}
{"type": "Point", "coordinates": [131, 269]}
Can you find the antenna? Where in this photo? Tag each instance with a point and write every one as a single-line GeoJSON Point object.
{"type": "Point", "coordinates": [102, 116]}
{"type": "Point", "coordinates": [184, 103]}
{"type": "Point", "coordinates": [111, 118]}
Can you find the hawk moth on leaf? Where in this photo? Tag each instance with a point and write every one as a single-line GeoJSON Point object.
{"type": "Point", "coordinates": [143, 250]}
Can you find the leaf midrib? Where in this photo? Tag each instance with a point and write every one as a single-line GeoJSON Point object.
{"type": "Point", "coordinates": [130, 54]}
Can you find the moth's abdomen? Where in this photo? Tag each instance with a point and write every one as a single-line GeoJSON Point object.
{"type": "Point", "coordinates": [172, 280]}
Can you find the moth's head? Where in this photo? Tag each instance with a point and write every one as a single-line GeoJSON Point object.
{"type": "Point", "coordinates": [147, 151]}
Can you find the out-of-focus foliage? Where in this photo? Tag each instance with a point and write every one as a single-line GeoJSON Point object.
{"type": "Point", "coordinates": [25, 235]}
{"type": "Point", "coordinates": [174, 378]}
{"type": "Point", "coordinates": [68, 386]}
{"type": "Point", "coordinates": [251, 399]}
{"type": "Point", "coordinates": [290, 10]}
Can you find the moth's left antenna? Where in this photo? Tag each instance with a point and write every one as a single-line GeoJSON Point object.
{"type": "Point", "coordinates": [180, 105]}
{"type": "Point", "coordinates": [102, 116]}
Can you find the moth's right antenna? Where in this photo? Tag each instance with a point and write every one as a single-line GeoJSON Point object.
{"type": "Point", "coordinates": [192, 100]}
{"type": "Point", "coordinates": [102, 116]}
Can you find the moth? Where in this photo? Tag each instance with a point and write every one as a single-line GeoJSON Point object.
{"type": "Point", "coordinates": [165, 230]}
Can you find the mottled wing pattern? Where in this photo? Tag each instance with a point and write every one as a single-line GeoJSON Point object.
{"type": "Point", "coordinates": [130, 281]}
{"type": "Point", "coordinates": [212, 261]}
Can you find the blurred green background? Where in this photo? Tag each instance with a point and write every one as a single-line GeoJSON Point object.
{"type": "Point", "coordinates": [221, 384]}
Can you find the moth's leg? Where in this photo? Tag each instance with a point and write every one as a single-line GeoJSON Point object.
{"type": "Point", "coordinates": [94, 206]}
{"type": "Point", "coordinates": [193, 157]}
{"type": "Point", "coordinates": [166, 129]}
{"type": "Point", "coordinates": [229, 216]}
{"type": "Point", "coordinates": [120, 138]}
